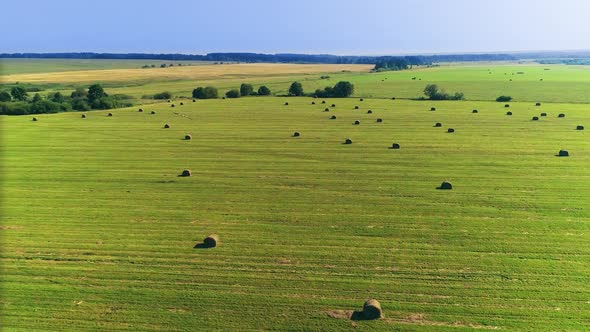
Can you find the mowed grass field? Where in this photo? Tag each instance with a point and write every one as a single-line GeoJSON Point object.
{"type": "Point", "coordinates": [478, 81]}
{"type": "Point", "coordinates": [98, 229]}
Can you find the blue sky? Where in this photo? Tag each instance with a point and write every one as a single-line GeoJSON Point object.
{"type": "Point", "coordinates": [298, 26]}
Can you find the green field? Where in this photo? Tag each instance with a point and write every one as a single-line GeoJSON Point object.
{"type": "Point", "coordinates": [98, 229]}
{"type": "Point", "coordinates": [479, 81]}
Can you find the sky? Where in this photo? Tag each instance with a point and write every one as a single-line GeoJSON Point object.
{"type": "Point", "coordinates": [367, 27]}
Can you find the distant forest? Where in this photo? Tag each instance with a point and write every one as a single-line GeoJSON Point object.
{"type": "Point", "coordinates": [273, 58]}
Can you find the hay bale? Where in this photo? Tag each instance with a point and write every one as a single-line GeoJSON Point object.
{"type": "Point", "coordinates": [535, 118]}
{"type": "Point", "coordinates": [538, 104]}
{"type": "Point", "coordinates": [563, 153]}
{"type": "Point", "coordinates": [194, 100]}
{"type": "Point", "coordinates": [433, 108]}
{"type": "Point", "coordinates": [313, 102]}
{"type": "Point", "coordinates": [188, 137]}
{"type": "Point", "coordinates": [166, 126]}
{"type": "Point", "coordinates": [211, 241]}
{"type": "Point", "coordinates": [579, 127]}
{"type": "Point", "coordinates": [369, 112]}
{"type": "Point", "coordinates": [83, 116]}
{"type": "Point", "coordinates": [34, 119]}
{"type": "Point", "coordinates": [438, 124]}
{"type": "Point", "coordinates": [372, 309]}
{"type": "Point", "coordinates": [445, 186]}
{"type": "Point", "coordinates": [286, 104]}
{"type": "Point", "coordinates": [474, 111]}
{"type": "Point", "coordinates": [172, 105]}
{"type": "Point", "coordinates": [333, 117]}
{"type": "Point", "coordinates": [168, 100]}
{"type": "Point", "coordinates": [323, 101]}
{"type": "Point", "coordinates": [508, 113]}
{"type": "Point", "coordinates": [326, 110]}
{"type": "Point", "coordinates": [186, 172]}
{"type": "Point", "coordinates": [110, 114]}
{"type": "Point", "coordinates": [296, 134]}
{"type": "Point", "coordinates": [333, 105]}
{"type": "Point", "coordinates": [356, 107]}
{"type": "Point", "coordinates": [379, 120]}
{"type": "Point", "coordinates": [348, 141]}
{"type": "Point", "coordinates": [392, 98]}
{"type": "Point", "coordinates": [357, 122]}
{"type": "Point", "coordinates": [223, 97]}
{"type": "Point", "coordinates": [561, 115]}
{"type": "Point", "coordinates": [395, 146]}
{"type": "Point", "coordinates": [361, 99]}
{"type": "Point", "coordinates": [140, 110]}
{"type": "Point", "coordinates": [152, 112]}
{"type": "Point", "coordinates": [507, 105]}
{"type": "Point", "coordinates": [543, 114]}
{"type": "Point", "coordinates": [181, 103]}
{"type": "Point", "coordinates": [450, 130]}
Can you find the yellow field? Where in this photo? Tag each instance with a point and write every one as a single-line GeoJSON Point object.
{"type": "Point", "coordinates": [205, 72]}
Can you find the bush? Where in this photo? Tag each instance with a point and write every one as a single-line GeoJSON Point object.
{"type": "Point", "coordinates": [80, 104]}
{"type": "Point", "coordinates": [342, 89]}
{"type": "Point", "coordinates": [79, 93]}
{"type": "Point", "coordinates": [46, 106]}
{"type": "Point", "coordinates": [5, 96]}
{"type": "Point", "coordinates": [14, 108]}
{"type": "Point", "coordinates": [503, 99]}
{"type": "Point", "coordinates": [207, 92]}
{"type": "Point", "coordinates": [433, 92]}
{"type": "Point", "coordinates": [264, 91]}
{"type": "Point", "coordinates": [246, 89]}
{"type": "Point", "coordinates": [233, 93]}
{"type": "Point", "coordinates": [296, 89]}
{"type": "Point", "coordinates": [19, 93]}
{"type": "Point", "coordinates": [163, 95]}
{"type": "Point", "coordinates": [57, 97]}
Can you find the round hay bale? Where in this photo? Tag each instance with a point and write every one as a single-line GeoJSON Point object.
{"type": "Point", "coordinates": [223, 97]}
{"type": "Point", "coordinates": [445, 186]}
{"type": "Point", "coordinates": [543, 114]}
{"type": "Point", "coordinates": [474, 111]}
{"type": "Point", "coordinates": [379, 120]}
{"type": "Point", "coordinates": [323, 101]}
{"type": "Point", "coordinates": [333, 105]}
{"type": "Point", "coordinates": [168, 100]}
{"type": "Point", "coordinates": [369, 112]}
{"type": "Point", "coordinates": [110, 114]}
{"type": "Point", "coordinates": [296, 134]}
{"type": "Point", "coordinates": [579, 127]}
{"type": "Point", "coordinates": [508, 113]}
{"type": "Point", "coordinates": [395, 146]}
{"type": "Point", "coordinates": [450, 130]}
{"type": "Point", "coordinates": [433, 108]}
{"type": "Point", "coordinates": [372, 309]}
{"type": "Point", "coordinates": [333, 117]}
{"type": "Point", "coordinates": [507, 105]}
{"type": "Point", "coordinates": [563, 153]}
{"type": "Point", "coordinates": [357, 122]}
{"type": "Point", "coordinates": [166, 126]}
{"type": "Point", "coordinates": [153, 112]}
{"type": "Point", "coordinates": [140, 110]}
{"type": "Point", "coordinates": [538, 104]}
{"type": "Point", "coordinates": [361, 99]}
{"type": "Point", "coordinates": [356, 107]}
{"type": "Point", "coordinates": [348, 141]}
{"type": "Point", "coordinates": [326, 110]}
{"type": "Point", "coordinates": [194, 100]}
{"type": "Point", "coordinates": [211, 241]}
{"type": "Point", "coordinates": [34, 119]}
{"type": "Point", "coordinates": [186, 172]}
{"type": "Point", "coordinates": [313, 102]}
{"type": "Point", "coordinates": [438, 124]}
{"type": "Point", "coordinates": [181, 103]}
{"type": "Point", "coordinates": [535, 118]}
{"type": "Point", "coordinates": [392, 98]}
{"type": "Point", "coordinates": [561, 115]}
{"type": "Point", "coordinates": [188, 137]}
{"type": "Point", "coordinates": [172, 105]}
{"type": "Point", "coordinates": [286, 104]}
{"type": "Point", "coordinates": [83, 116]}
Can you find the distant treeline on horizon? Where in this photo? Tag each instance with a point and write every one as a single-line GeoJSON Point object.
{"type": "Point", "coordinates": [276, 58]}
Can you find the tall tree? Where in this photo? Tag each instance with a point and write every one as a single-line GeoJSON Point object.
{"type": "Point", "coordinates": [296, 89]}
{"type": "Point", "coordinates": [95, 92]}
{"type": "Point", "coordinates": [246, 89]}
{"type": "Point", "coordinates": [19, 93]}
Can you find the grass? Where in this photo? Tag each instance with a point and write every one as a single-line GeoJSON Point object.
{"type": "Point", "coordinates": [98, 230]}
{"type": "Point", "coordinates": [479, 82]}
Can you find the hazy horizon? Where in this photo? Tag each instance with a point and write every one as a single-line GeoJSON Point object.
{"type": "Point", "coordinates": [379, 27]}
